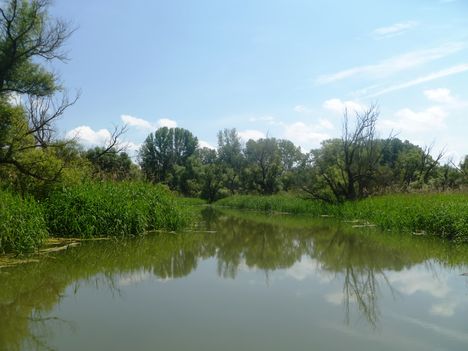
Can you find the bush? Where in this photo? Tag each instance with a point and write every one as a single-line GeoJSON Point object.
{"type": "Point", "coordinates": [22, 224]}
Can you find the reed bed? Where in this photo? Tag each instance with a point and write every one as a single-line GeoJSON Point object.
{"type": "Point", "coordinates": [444, 215]}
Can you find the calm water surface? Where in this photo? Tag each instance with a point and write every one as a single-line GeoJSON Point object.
{"type": "Point", "coordinates": [242, 281]}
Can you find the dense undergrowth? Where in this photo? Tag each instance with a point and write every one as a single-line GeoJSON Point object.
{"type": "Point", "coordinates": [89, 210]}
{"type": "Point", "coordinates": [22, 223]}
{"type": "Point", "coordinates": [444, 215]}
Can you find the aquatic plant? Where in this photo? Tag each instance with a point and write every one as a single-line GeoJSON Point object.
{"type": "Point", "coordinates": [444, 214]}
{"type": "Point", "coordinates": [22, 224]}
{"type": "Point", "coordinates": [112, 209]}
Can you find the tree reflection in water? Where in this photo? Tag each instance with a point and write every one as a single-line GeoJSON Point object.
{"type": "Point", "coordinates": [235, 240]}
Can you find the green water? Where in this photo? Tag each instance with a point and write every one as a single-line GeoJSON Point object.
{"type": "Point", "coordinates": [243, 281]}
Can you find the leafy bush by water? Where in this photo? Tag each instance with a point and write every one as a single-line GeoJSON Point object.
{"type": "Point", "coordinates": [22, 224]}
{"type": "Point", "coordinates": [112, 209]}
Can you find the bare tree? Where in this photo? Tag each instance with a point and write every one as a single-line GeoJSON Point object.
{"type": "Point", "coordinates": [42, 112]}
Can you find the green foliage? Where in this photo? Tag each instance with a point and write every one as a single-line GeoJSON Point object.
{"type": "Point", "coordinates": [278, 203]}
{"type": "Point", "coordinates": [112, 209]}
{"type": "Point", "coordinates": [164, 153]}
{"type": "Point", "coordinates": [27, 34]}
{"type": "Point", "coordinates": [442, 215]}
{"type": "Point", "coordinates": [22, 225]}
{"type": "Point", "coordinates": [111, 165]}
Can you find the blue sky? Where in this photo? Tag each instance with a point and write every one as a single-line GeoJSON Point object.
{"type": "Point", "coordinates": [285, 69]}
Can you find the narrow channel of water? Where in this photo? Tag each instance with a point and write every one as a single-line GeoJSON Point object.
{"type": "Point", "coordinates": [244, 281]}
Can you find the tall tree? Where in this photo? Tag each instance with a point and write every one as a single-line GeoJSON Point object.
{"type": "Point", "coordinates": [230, 158]}
{"type": "Point", "coordinates": [164, 152]}
{"type": "Point", "coordinates": [29, 38]}
{"type": "Point", "coordinates": [264, 165]}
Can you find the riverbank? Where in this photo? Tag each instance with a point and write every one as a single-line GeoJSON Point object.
{"type": "Point", "coordinates": [443, 215]}
{"type": "Point", "coordinates": [89, 210]}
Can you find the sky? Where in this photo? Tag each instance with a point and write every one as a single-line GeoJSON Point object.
{"type": "Point", "coordinates": [284, 69]}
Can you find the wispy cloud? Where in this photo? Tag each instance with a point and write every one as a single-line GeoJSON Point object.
{"type": "Point", "coordinates": [427, 78]}
{"type": "Point", "coordinates": [395, 64]}
{"type": "Point", "coordinates": [394, 30]}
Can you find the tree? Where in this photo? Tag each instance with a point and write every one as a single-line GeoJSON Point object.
{"type": "Point", "coordinates": [28, 38]}
{"type": "Point", "coordinates": [112, 164]}
{"type": "Point", "coordinates": [263, 165]}
{"type": "Point", "coordinates": [348, 166]}
{"type": "Point", "coordinates": [231, 158]}
{"type": "Point", "coordinates": [164, 152]}
{"type": "Point", "coordinates": [28, 34]}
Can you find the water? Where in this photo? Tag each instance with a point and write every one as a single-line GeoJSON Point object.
{"type": "Point", "coordinates": [244, 281]}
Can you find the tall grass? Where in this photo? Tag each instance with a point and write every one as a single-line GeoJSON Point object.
{"type": "Point", "coordinates": [112, 209]}
{"type": "Point", "coordinates": [444, 215]}
{"type": "Point", "coordinates": [22, 224]}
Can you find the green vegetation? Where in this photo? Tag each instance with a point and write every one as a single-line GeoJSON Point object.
{"type": "Point", "coordinates": [22, 224]}
{"type": "Point", "coordinates": [73, 185]}
{"type": "Point", "coordinates": [112, 209]}
{"type": "Point", "coordinates": [443, 215]}
{"type": "Point", "coordinates": [278, 203]}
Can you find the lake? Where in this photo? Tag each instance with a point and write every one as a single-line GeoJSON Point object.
{"type": "Point", "coordinates": [242, 281]}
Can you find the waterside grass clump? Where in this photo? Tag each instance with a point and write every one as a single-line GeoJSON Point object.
{"type": "Point", "coordinates": [112, 209]}
{"type": "Point", "coordinates": [443, 215]}
{"type": "Point", "coordinates": [22, 223]}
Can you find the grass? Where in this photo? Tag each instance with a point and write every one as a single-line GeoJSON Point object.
{"type": "Point", "coordinates": [112, 209]}
{"type": "Point", "coordinates": [443, 215]}
{"type": "Point", "coordinates": [90, 210]}
{"type": "Point", "coordinates": [22, 224]}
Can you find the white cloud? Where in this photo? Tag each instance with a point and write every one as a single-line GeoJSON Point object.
{"type": "Point", "coordinates": [444, 309]}
{"type": "Point", "coordinates": [143, 124]}
{"type": "Point", "coordinates": [305, 135]}
{"type": "Point", "coordinates": [86, 135]}
{"type": "Point", "coordinates": [394, 64]}
{"type": "Point", "coordinates": [440, 95]}
{"type": "Point", "coordinates": [304, 268]}
{"type": "Point", "coordinates": [130, 147]}
{"type": "Point", "coordinates": [339, 106]}
{"type": "Point", "coordinates": [418, 279]}
{"type": "Point", "coordinates": [407, 120]}
{"type": "Point", "coordinates": [335, 298]}
{"type": "Point", "coordinates": [136, 122]}
{"type": "Point", "coordinates": [134, 278]}
{"type": "Point", "coordinates": [166, 122]}
{"type": "Point", "coordinates": [206, 144]}
{"type": "Point", "coordinates": [394, 29]}
{"type": "Point", "coordinates": [248, 134]}
{"type": "Point", "coordinates": [427, 78]}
